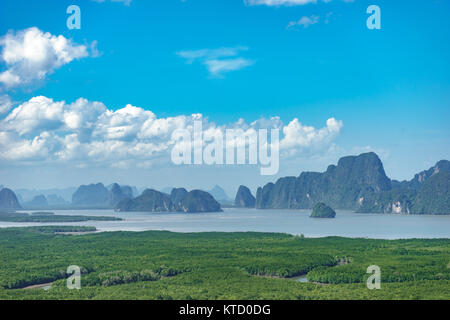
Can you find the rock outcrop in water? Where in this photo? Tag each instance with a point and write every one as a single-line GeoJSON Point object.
{"type": "Point", "coordinates": [179, 201]}
{"type": "Point", "coordinates": [8, 200]}
{"type": "Point", "coordinates": [359, 183]}
{"type": "Point", "coordinates": [321, 210]}
{"type": "Point", "coordinates": [342, 186]}
{"type": "Point", "coordinates": [244, 198]}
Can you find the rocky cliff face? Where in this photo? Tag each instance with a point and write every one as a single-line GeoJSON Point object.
{"type": "Point", "coordinates": [427, 193]}
{"type": "Point", "coordinates": [179, 201]}
{"type": "Point", "coordinates": [420, 178]}
{"type": "Point", "coordinates": [397, 200]}
{"type": "Point", "coordinates": [244, 198]}
{"type": "Point", "coordinates": [434, 196]}
{"type": "Point", "coordinates": [342, 186]}
{"type": "Point", "coordinates": [8, 200]}
{"type": "Point", "coordinates": [177, 195]}
{"type": "Point", "coordinates": [150, 200]}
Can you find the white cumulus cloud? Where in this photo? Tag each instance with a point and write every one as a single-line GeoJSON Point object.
{"type": "Point", "coordinates": [32, 54]}
{"type": "Point", "coordinates": [298, 136]}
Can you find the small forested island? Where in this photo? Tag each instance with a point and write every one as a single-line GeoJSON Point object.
{"type": "Point", "coordinates": [321, 210]}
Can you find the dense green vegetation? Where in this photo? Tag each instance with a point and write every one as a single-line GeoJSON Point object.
{"type": "Point", "coordinates": [166, 265]}
{"type": "Point", "coordinates": [50, 217]}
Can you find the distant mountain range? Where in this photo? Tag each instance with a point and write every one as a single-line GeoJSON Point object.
{"type": "Point", "coordinates": [26, 195]}
{"type": "Point", "coordinates": [357, 183]}
{"type": "Point", "coordinates": [54, 196]}
{"type": "Point", "coordinates": [121, 198]}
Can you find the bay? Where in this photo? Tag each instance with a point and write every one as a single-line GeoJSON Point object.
{"type": "Point", "coordinates": [296, 222]}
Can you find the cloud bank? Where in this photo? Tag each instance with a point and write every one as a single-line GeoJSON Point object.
{"type": "Point", "coordinates": [85, 133]}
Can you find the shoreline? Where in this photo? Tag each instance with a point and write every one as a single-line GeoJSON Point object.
{"type": "Point", "coordinates": [300, 236]}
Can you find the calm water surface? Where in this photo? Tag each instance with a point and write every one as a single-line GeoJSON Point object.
{"type": "Point", "coordinates": [346, 224]}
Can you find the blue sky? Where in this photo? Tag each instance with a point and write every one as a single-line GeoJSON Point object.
{"type": "Point", "coordinates": [389, 87]}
